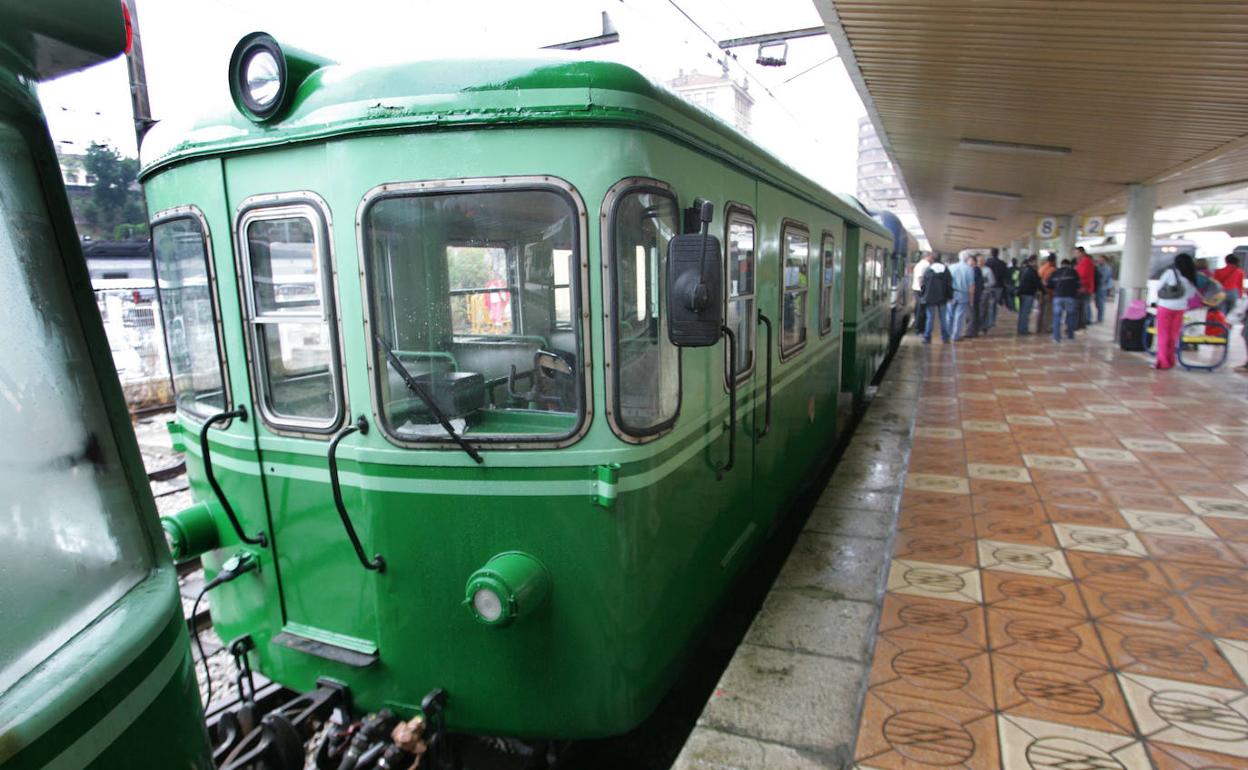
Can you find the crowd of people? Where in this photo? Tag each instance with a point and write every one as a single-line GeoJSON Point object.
{"type": "Point", "coordinates": [964, 297]}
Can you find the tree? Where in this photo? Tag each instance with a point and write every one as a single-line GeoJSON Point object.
{"type": "Point", "coordinates": [113, 176]}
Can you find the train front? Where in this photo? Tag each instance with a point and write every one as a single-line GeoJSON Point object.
{"type": "Point", "coordinates": [377, 290]}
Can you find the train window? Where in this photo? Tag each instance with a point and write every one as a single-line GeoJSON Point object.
{"type": "Point", "coordinates": [188, 308]}
{"type": "Point", "coordinates": [867, 259]}
{"type": "Point", "coordinates": [827, 282]}
{"type": "Point", "coordinates": [740, 254]}
{"type": "Point", "coordinates": [474, 293]}
{"type": "Point", "coordinates": [795, 257]}
{"type": "Point", "coordinates": [291, 317]}
{"type": "Point", "coordinates": [646, 391]}
{"type": "Point", "coordinates": [72, 539]}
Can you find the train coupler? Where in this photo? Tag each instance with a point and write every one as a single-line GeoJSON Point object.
{"type": "Point", "coordinates": [384, 741]}
{"type": "Point", "coordinates": [276, 743]}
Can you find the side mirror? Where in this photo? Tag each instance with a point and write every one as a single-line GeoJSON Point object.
{"type": "Point", "coordinates": [695, 287]}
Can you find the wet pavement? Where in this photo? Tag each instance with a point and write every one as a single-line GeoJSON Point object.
{"type": "Point", "coordinates": [1066, 585]}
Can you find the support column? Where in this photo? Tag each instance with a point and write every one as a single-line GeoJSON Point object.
{"type": "Point", "coordinates": [1066, 246]}
{"type": "Point", "coordinates": [1137, 246]}
{"type": "Point", "coordinates": [1033, 245]}
{"type": "Point", "coordinates": [1016, 247]}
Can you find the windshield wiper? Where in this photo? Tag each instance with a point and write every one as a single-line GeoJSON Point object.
{"type": "Point", "coordinates": [419, 389]}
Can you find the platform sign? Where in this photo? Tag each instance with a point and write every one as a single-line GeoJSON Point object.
{"type": "Point", "coordinates": [1094, 226]}
{"type": "Point", "coordinates": [1046, 227]}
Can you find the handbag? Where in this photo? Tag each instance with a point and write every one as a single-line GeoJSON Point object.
{"type": "Point", "coordinates": [1171, 290]}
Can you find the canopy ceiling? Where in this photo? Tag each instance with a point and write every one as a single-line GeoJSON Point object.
{"type": "Point", "coordinates": [1058, 104]}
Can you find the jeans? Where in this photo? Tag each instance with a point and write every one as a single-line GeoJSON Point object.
{"type": "Point", "coordinates": [958, 312]}
{"type": "Point", "coordinates": [1083, 310]}
{"type": "Point", "coordinates": [934, 312]}
{"type": "Point", "coordinates": [1025, 302]}
{"type": "Point", "coordinates": [920, 317]}
{"type": "Point", "coordinates": [995, 298]}
{"type": "Point", "coordinates": [1064, 306]}
{"type": "Point", "coordinates": [1100, 304]}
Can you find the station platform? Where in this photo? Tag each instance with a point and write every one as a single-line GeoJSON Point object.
{"type": "Point", "coordinates": [1031, 555]}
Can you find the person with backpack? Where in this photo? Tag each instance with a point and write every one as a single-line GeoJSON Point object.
{"type": "Point", "coordinates": [1028, 287]}
{"type": "Point", "coordinates": [916, 287]}
{"type": "Point", "coordinates": [1174, 293]}
{"type": "Point", "coordinates": [1065, 285]}
{"type": "Point", "coordinates": [936, 291]}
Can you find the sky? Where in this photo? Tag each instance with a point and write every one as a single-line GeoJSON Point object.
{"type": "Point", "coordinates": [806, 112]}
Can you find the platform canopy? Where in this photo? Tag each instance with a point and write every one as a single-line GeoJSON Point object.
{"type": "Point", "coordinates": [1000, 112]}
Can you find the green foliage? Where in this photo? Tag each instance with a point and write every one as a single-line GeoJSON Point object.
{"type": "Point", "coordinates": [113, 177]}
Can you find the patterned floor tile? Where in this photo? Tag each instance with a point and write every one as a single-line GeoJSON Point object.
{"type": "Point", "coordinates": [1033, 744]}
{"type": "Point", "coordinates": [1217, 506]}
{"type": "Point", "coordinates": [1003, 490]}
{"type": "Point", "coordinates": [1191, 549]}
{"type": "Point", "coordinates": [1151, 445]}
{"type": "Point", "coordinates": [1170, 757]}
{"type": "Point", "coordinates": [941, 621]}
{"type": "Point", "coordinates": [1169, 653]}
{"type": "Point", "coordinates": [1013, 505]}
{"type": "Point", "coordinates": [1236, 653]}
{"type": "Point", "coordinates": [1059, 692]}
{"type": "Point", "coordinates": [1092, 516]}
{"type": "Point", "coordinates": [1112, 481]}
{"type": "Point", "coordinates": [959, 676]}
{"type": "Point", "coordinates": [1149, 501]}
{"type": "Point", "coordinates": [1046, 596]}
{"type": "Point", "coordinates": [1228, 529]}
{"type": "Point", "coordinates": [1048, 637]}
{"type": "Point", "coordinates": [900, 733]}
{"type": "Point", "coordinates": [1119, 542]}
{"type": "Point", "coordinates": [931, 482]}
{"type": "Point", "coordinates": [1041, 561]}
{"type": "Point", "coordinates": [936, 581]}
{"type": "Point", "coordinates": [1108, 570]}
{"type": "Point", "coordinates": [1191, 715]}
{"type": "Point", "coordinates": [939, 434]}
{"type": "Point", "coordinates": [927, 546]}
{"type": "Point", "coordinates": [1159, 523]}
{"type": "Point", "coordinates": [1145, 604]}
{"type": "Point", "coordinates": [1071, 495]}
{"type": "Point", "coordinates": [918, 499]}
{"type": "Point", "coordinates": [1219, 616]}
{"type": "Point", "coordinates": [1029, 419]}
{"type": "Point", "coordinates": [951, 523]}
{"type": "Point", "coordinates": [1105, 454]}
{"type": "Point", "coordinates": [1194, 437]}
{"type": "Point", "coordinates": [1013, 528]}
{"type": "Point", "coordinates": [994, 472]}
{"type": "Point", "coordinates": [1054, 463]}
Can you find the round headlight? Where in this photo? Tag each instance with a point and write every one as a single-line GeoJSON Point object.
{"type": "Point", "coordinates": [262, 78]}
{"type": "Point", "coordinates": [487, 604]}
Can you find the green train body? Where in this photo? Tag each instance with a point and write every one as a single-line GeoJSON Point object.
{"type": "Point", "coordinates": [95, 665]}
{"type": "Point", "coordinates": [612, 507]}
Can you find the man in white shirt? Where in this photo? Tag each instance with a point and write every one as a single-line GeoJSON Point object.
{"type": "Point", "coordinates": [916, 288]}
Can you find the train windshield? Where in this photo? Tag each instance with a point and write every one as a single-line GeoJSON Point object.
{"type": "Point", "coordinates": [478, 296]}
{"type": "Point", "coordinates": [64, 556]}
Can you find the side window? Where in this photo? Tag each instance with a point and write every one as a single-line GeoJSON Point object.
{"type": "Point", "coordinates": [867, 260]}
{"type": "Point", "coordinates": [188, 309]}
{"type": "Point", "coordinates": [291, 319]}
{"type": "Point", "coordinates": [795, 259]}
{"type": "Point", "coordinates": [827, 282]}
{"type": "Point", "coordinates": [740, 253]}
{"type": "Point", "coordinates": [646, 375]}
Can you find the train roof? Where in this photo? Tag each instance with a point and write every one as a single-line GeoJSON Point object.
{"type": "Point", "coordinates": [339, 100]}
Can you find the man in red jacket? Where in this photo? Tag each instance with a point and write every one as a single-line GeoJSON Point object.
{"type": "Point", "coordinates": [1232, 279]}
{"type": "Point", "coordinates": [1087, 285]}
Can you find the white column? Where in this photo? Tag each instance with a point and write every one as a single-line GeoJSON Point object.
{"type": "Point", "coordinates": [1016, 248]}
{"type": "Point", "coordinates": [1066, 246]}
{"type": "Point", "coordinates": [1033, 245]}
{"type": "Point", "coordinates": [1137, 245]}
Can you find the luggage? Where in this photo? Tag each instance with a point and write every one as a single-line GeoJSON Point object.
{"type": "Point", "coordinates": [1131, 334]}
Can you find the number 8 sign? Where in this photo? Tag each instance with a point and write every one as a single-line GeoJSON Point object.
{"type": "Point", "coordinates": [1046, 227]}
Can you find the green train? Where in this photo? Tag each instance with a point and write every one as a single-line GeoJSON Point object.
{"type": "Point", "coordinates": [95, 666]}
{"type": "Point", "coordinates": [455, 347]}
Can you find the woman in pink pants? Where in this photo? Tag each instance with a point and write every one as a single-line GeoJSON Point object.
{"type": "Point", "coordinates": [1170, 311]}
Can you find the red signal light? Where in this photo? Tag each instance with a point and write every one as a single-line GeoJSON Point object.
{"type": "Point", "coordinates": [125, 15]}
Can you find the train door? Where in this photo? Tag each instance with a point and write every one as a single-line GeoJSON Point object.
{"type": "Point", "coordinates": [291, 312]}
{"type": "Point", "coordinates": [742, 317]}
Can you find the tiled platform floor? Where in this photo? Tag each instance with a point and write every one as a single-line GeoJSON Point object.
{"type": "Point", "coordinates": [1069, 584]}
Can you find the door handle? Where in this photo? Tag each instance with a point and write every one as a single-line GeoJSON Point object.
{"type": "Point", "coordinates": [732, 403]}
{"type": "Point", "coordinates": [767, 411]}
{"type": "Point", "coordinates": [206, 454]}
{"type": "Point", "coordinates": [377, 563]}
